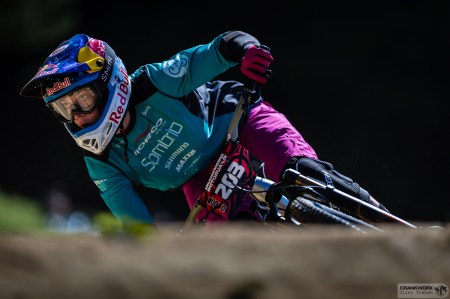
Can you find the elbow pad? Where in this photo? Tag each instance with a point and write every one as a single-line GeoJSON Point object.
{"type": "Point", "coordinates": [233, 44]}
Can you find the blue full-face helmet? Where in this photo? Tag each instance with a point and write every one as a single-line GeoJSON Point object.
{"type": "Point", "coordinates": [84, 63]}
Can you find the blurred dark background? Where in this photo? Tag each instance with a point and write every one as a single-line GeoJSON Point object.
{"type": "Point", "coordinates": [366, 83]}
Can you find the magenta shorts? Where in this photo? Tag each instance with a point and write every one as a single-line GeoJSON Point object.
{"type": "Point", "coordinates": [270, 136]}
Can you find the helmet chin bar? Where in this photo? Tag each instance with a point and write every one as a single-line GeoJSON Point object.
{"type": "Point", "coordinates": [96, 141]}
{"type": "Point", "coordinates": [91, 145]}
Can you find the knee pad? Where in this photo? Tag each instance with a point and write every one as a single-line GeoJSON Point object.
{"type": "Point", "coordinates": [317, 169]}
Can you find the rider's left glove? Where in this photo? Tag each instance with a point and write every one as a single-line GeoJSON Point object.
{"type": "Point", "coordinates": [255, 64]}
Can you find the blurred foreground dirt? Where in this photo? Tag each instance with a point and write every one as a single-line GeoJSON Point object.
{"type": "Point", "coordinates": [230, 262]}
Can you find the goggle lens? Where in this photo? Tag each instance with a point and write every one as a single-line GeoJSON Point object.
{"type": "Point", "coordinates": [81, 100]}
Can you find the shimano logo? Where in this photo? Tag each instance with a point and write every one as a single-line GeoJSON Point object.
{"type": "Point", "coordinates": [175, 154]}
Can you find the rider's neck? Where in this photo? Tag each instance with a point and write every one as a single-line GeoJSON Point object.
{"type": "Point", "coordinates": [126, 123]}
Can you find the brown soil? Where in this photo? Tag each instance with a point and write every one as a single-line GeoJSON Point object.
{"type": "Point", "coordinates": [230, 262]}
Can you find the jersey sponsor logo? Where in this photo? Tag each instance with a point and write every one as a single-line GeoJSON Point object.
{"type": "Point", "coordinates": [147, 135]}
{"type": "Point", "coordinates": [185, 159]}
{"type": "Point", "coordinates": [119, 143]}
{"type": "Point", "coordinates": [163, 144]}
{"type": "Point", "coordinates": [176, 67]}
{"type": "Point", "coordinates": [145, 112]}
{"type": "Point", "coordinates": [175, 154]}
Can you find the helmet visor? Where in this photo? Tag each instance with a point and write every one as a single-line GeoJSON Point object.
{"type": "Point", "coordinates": [82, 100]}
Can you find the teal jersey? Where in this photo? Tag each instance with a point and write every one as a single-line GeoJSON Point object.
{"type": "Point", "coordinates": [179, 120]}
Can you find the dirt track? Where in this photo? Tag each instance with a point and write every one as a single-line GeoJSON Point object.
{"type": "Point", "coordinates": [232, 262]}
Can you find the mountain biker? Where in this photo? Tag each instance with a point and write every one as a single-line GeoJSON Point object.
{"type": "Point", "coordinates": [161, 125]}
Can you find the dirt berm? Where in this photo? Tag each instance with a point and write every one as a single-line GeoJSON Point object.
{"type": "Point", "coordinates": [230, 262]}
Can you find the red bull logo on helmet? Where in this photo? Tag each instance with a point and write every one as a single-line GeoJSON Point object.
{"type": "Point", "coordinates": [57, 86]}
{"type": "Point", "coordinates": [122, 94]}
{"type": "Point", "coordinates": [47, 69]}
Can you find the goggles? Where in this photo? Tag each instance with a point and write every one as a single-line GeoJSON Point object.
{"type": "Point", "coordinates": [82, 100]}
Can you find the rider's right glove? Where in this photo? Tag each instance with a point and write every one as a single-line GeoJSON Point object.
{"type": "Point", "coordinates": [255, 64]}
